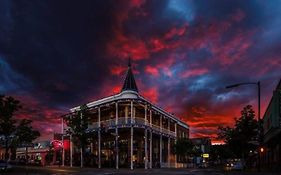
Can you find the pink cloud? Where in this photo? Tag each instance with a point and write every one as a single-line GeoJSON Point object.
{"type": "Point", "coordinates": [152, 70]}
{"type": "Point", "coordinates": [193, 72]}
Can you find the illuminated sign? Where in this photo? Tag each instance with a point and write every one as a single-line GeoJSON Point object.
{"type": "Point", "coordinates": [205, 155]}
{"type": "Point", "coordinates": [57, 144]}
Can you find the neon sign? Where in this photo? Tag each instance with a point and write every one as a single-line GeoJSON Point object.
{"type": "Point", "coordinates": [57, 144]}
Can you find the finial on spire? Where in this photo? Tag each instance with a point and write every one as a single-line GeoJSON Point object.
{"type": "Point", "coordinates": [129, 61]}
{"type": "Point", "coordinates": [129, 83]}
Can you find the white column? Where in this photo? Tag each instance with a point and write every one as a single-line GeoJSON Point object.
{"type": "Point", "coordinates": [150, 117]}
{"type": "Point", "coordinates": [116, 136]}
{"type": "Point", "coordinates": [169, 144]}
{"type": "Point", "coordinates": [132, 137]}
{"type": "Point", "coordinates": [132, 112]}
{"type": "Point", "coordinates": [160, 142]}
{"type": "Point", "coordinates": [81, 157]}
{"type": "Point", "coordinates": [132, 147]}
{"type": "Point", "coordinates": [62, 132]}
{"type": "Point", "coordinates": [145, 114]}
{"type": "Point", "coordinates": [145, 149]}
{"type": "Point", "coordinates": [81, 150]}
{"type": "Point", "coordinates": [169, 151]}
{"type": "Point", "coordinates": [150, 150]}
{"type": "Point", "coordinates": [92, 146]}
{"type": "Point", "coordinates": [175, 142]}
{"type": "Point", "coordinates": [176, 130]}
{"type": "Point", "coordinates": [126, 114]}
{"type": "Point", "coordinates": [145, 138]}
{"type": "Point", "coordinates": [99, 144]}
{"type": "Point", "coordinates": [160, 149]}
{"type": "Point", "coordinates": [71, 149]}
{"type": "Point", "coordinates": [161, 123]}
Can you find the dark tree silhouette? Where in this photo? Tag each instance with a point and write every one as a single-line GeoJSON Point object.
{"type": "Point", "coordinates": [241, 138]}
{"type": "Point", "coordinates": [78, 123]}
{"type": "Point", "coordinates": [14, 135]}
{"type": "Point", "coordinates": [8, 107]}
{"type": "Point", "coordinates": [25, 134]}
{"type": "Point", "coordinates": [183, 148]}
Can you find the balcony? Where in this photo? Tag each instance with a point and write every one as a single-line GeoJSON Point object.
{"type": "Point", "coordinates": [126, 122]}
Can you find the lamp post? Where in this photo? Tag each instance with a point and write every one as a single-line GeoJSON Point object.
{"type": "Point", "coordinates": [259, 117]}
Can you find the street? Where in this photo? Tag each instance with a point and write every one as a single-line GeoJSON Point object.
{"type": "Point", "coordinates": [90, 171]}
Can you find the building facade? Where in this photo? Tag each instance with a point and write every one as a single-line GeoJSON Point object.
{"type": "Point", "coordinates": [271, 155]}
{"type": "Point", "coordinates": [129, 131]}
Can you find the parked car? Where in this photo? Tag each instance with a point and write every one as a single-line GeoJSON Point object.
{"type": "Point", "coordinates": [5, 166]}
{"type": "Point", "coordinates": [235, 164]}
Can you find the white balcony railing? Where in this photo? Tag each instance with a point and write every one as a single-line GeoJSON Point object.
{"type": "Point", "coordinates": [128, 121]}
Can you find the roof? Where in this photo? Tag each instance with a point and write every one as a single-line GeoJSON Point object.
{"type": "Point", "coordinates": [129, 83]}
{"type": "Point", "coordinates": [130, 91]}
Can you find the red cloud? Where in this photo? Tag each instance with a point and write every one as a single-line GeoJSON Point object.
{"type": "Point", "coordinates": [123, 47]}
{"type": "Point", "coordinates": [238, 16]}
{"type": "Point", "coordinates": [151, 94]}
{"type": "Point", "coordinates": [193, 72]}
{"type": "Point", "coordinates": [152, 70]}
{"type": "Point", "coordinates": [117, 70]}
{"type": "Point", "coordinates": [136, 3]}
{"type": "Point", "coordinates": [175, 32]}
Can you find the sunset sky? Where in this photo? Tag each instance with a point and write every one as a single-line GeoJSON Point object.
{"type": "Point", "coordinates": [55, 55]}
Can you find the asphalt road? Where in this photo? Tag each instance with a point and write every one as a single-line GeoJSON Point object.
{"type": "Point", "coordinates": [91, 171]}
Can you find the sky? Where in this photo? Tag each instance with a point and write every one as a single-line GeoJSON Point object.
{"type": "Point", "coordinates": [55, 55]}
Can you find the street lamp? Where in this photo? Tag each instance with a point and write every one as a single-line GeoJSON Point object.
{"type": "Point", "coordinates": [259, 109]}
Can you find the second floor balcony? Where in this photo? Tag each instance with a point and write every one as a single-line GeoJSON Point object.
{"type": "Point", "coordinates": [128, 122]}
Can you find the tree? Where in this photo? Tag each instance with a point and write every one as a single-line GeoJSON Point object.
{"type": "Point", "coordinates": [183, 148]}
{"type": "Point", "coordinates": [241, 138]}
{"type": "Point", "coordinates": [8, 107]}
{"type": "Point", "coordinates": [14, 135]}
{"type": "Point", "coordinates": [78, 123]}
{"type": "Point", "coordinates": [25, 134]}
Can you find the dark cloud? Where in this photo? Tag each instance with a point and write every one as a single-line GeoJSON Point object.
{"type": "Point", "coordinates": [58, 54]}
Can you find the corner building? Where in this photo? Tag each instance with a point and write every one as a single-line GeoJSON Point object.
{"type": "Point", "coordinates": [130, 132]}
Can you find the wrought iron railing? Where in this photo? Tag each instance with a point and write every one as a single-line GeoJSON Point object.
{"type": "Point", "coordinates": [129, 121]}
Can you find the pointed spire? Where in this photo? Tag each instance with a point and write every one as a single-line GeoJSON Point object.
{"type": "Point", "coordinates": [129, 62]}
{"type": "Point", "coordinates": [129, 83]}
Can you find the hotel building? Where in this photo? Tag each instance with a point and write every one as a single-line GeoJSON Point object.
{"type": "Point", "coordinates": [129, 131]}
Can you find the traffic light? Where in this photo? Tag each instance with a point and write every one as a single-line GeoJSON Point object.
{"type": "Point", "coordinates": [261, 149]}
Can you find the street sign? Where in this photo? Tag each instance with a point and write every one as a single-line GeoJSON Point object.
{"type": "Point", "coordinates": [205, 155]}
